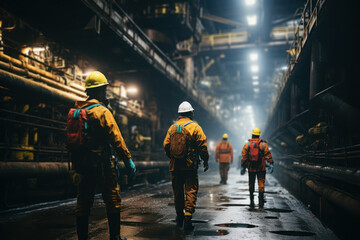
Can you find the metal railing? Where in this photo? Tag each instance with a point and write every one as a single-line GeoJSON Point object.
{"type": "Point", "coordinates": [307, 22]}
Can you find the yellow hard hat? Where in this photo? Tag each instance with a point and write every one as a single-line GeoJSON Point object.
{"type": "Point", "coordinates": [256, 131]}
{"type": "Point", "coordinates": [95, 79]}
{"type": "Point", "coordinates": [225, 136]}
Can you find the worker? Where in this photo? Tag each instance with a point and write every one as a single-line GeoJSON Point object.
{"type": "Point", "coordinates": [224, 155]}
{"type": "Point", "coordinates": [254, 154]}
{"type": "Point", "coordinates": [91, 159]}
{"type": "Point", "coordinates": [184, 143]}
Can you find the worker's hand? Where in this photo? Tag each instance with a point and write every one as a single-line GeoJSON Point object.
{"type": "Point", "coordinates": [271, 168]}
{"type": "Point", "coordinates": [217, 160]}
{"type": "Point", "coordinates": [231, 162]}
{"type": "Point", "coordinates": [243, 169]}
{"type": "Point", "coordinates": [130, 166]}
{"type": "Point", "coordinates": [206, 166]}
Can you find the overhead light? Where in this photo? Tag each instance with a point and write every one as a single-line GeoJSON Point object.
{"type": "Point", "coordinates": [217, 107]}
{"type": "Point", "coordinates": [132, 90]}
{"type": "Point", "coordinates": [255, 77]}
{"type": "Point", "coordinates": [252, 20]}
{"type": "Point", "coordinates": [255, 83]}
{"type": "Point", "coordinates": [254, 68]}
{"type": "Point", "coordinates": [250, 2]}
{"type": "Point", "coordinates": [284, 68]}
{"type": "Point", "coordinates": [256, 90]}
{"type": "Point", "coordinates": [254, 56]}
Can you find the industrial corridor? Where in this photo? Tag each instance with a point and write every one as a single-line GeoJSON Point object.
{"type": "Point", "coordinates": [179, 119]}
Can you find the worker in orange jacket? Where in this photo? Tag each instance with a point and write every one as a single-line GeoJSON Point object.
{"type": "Point", "coordinates": [94, 166]}
{"type": "Point", "coordinates": [184, 143]}
{"type": "Point", "coordinates": [254, 154]}
{"type": "Point", "coordinates": [224, 155]}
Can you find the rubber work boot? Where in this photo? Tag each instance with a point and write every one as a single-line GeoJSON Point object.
{"type": "Point", "coordinates": [82, 227]}
{"type": "Point", "coordinates": [114, 226]}
{"type": "Point", "coordinates": [187, 222]}
{"type": "Point", "coordinates": [179, 220]}
{"type": "Point", "coordinates": [261, 199]}
{"type": "Point", "coordinates": [252, 204]}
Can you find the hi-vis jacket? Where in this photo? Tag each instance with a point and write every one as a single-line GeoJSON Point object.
{"type": "Point", "coordinates": [199, 147]}
{"type": "Point", "coordinates": [103, 130]}
{"type": "Point", "coordinates": [224, 152]}
{"type": "Point", "coordinates": [260, 166]}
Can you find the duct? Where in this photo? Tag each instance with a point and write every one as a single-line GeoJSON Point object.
{"type": "Point", "coordinates": [56, 169]}
{"type": "Point", "coordinates": [341, 199]}
{"type": "Point", "coordinates": [38, 77]}
{"type": "Point", "coordinates": [346, 175]}
{"type": "Point", "coordinates": [10, 80]}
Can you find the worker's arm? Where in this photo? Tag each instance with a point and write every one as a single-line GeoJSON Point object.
{"type": "Point", "coordinates": [107, 121]}
{"type": "Point", "coordinates": [201, 144]}
{"type": "Point", "coordinates": [232, 153]}
{"type": "Point", "coordinates": [245, 154]}
{"type": "Point", "coordinates": [217, 152]}
{"type": "Point", "coordinates": [267, 154]}
{"type": "Point", "coordinates": [167, 143]}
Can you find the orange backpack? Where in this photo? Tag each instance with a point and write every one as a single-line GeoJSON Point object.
{"type": "Point", "coordinates": [180, 141]}
{"type": "Point", "coordinates": [256, 149]}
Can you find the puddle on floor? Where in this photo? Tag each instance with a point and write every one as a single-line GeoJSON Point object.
{"type": "Point", "coordinates": [211, 233]}
{"type": "Point", "coordinates": [294, 233]}
{"type": "Point", "coordinates": [195, 221]}
{"type": "Point", "coordinates": [233, 205]}
{"type": "Point", "coordinates": [236, 225]}
{"type": "Point", "coordinates": [279, 210]}
{"type": "Point", "coordinates": [134, 224]}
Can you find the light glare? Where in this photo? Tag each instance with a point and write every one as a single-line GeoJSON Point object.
{"type": "Point", "coordinates": [250, 2]}
{"type": "Point", "coordinates": [252, 20]}
{"type": "Point", "coordinates": [254, 68]}
{"type": "Point", "coordinates": [254, 56]}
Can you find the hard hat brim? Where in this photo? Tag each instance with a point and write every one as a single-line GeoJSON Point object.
{"type": "Point", "coordinates": [95, 86]}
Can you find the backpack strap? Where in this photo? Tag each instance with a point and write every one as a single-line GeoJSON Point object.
{"type": "Point", "coordinates": [77, 111]}
{"type": "Point", "coordinates": [92, 106]}
{"type": "Point", "coordinates": [187, 123]}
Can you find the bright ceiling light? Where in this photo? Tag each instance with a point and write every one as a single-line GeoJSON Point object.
{"type": "Point", "coordinates": [255, 77]}
{"type": "Point", "coordinates": [254, 68]}
{"type": "Point", "coordinates": [252, 20]}
{"type": "Point", "coordinates": [132, 90]}
{"type": "Point", "coordinates": [255, 83]}
{"type": "Point", "coordinates": [254, 56]}
{"type": "Point", "coordinates": [256, 90]}
{"type": "Point", "coordinates": [284, 68]}
{"type": "Point", "coordinates": [250, 2]}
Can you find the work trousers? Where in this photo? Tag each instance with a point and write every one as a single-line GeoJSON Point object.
{"type": "Point", "coordinates": [185, 186]}
{"type": "Point", "coordinates": [224, 169]}
{"type": "Point", "coordinates": [104, 176]}
{"type": "Point", "coordinates": [261, 181]}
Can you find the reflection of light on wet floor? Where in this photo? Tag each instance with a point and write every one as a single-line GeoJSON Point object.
{"type": "Point", "coordinates": [236, 225]}
{"type": "Point", "coordinates": [219, 232]}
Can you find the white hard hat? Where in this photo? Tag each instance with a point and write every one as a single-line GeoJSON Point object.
{"type": "Point", "coordinates": [185, 107]}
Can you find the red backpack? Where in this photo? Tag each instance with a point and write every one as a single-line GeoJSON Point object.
{"type": "Point", "coordinates": [256, 148]}
{"type": "Point", "coordinates": [76, 127]}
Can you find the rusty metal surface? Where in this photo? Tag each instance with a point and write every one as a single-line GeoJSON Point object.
{"type": "Point", "coordinates": [148, 213]}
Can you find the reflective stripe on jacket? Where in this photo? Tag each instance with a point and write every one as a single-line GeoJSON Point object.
{"type": "Point", "coordinates": [256, 167]}
{"type": "Point", "coordinates": [199, 146]}
{"type": "Point", "coordinates": [224, 152]}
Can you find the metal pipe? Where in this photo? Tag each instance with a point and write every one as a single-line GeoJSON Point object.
{"type": "Point", "coordinates": [341, 199]}
{"type": "Point", "coordinates": [49, 169]}
{"type": "Point", "coordinates": [38, 77]}
{"type": "Point", "coordinates": [11, 80]}
{"type": "Point", "coordinates": [34, 69]}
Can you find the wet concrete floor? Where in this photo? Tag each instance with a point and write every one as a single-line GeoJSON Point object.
{"type": "Point", "coordinates": [148, 213]}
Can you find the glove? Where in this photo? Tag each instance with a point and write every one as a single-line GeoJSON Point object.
{"type": "Point", "coordinates": [130, 166]}
{"type": "Point", "coordinates": [206, 166]}
{"type": "Point", "coordinates": [271, 168]}
{"type": "Point", "coordinates": [243, 169]}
